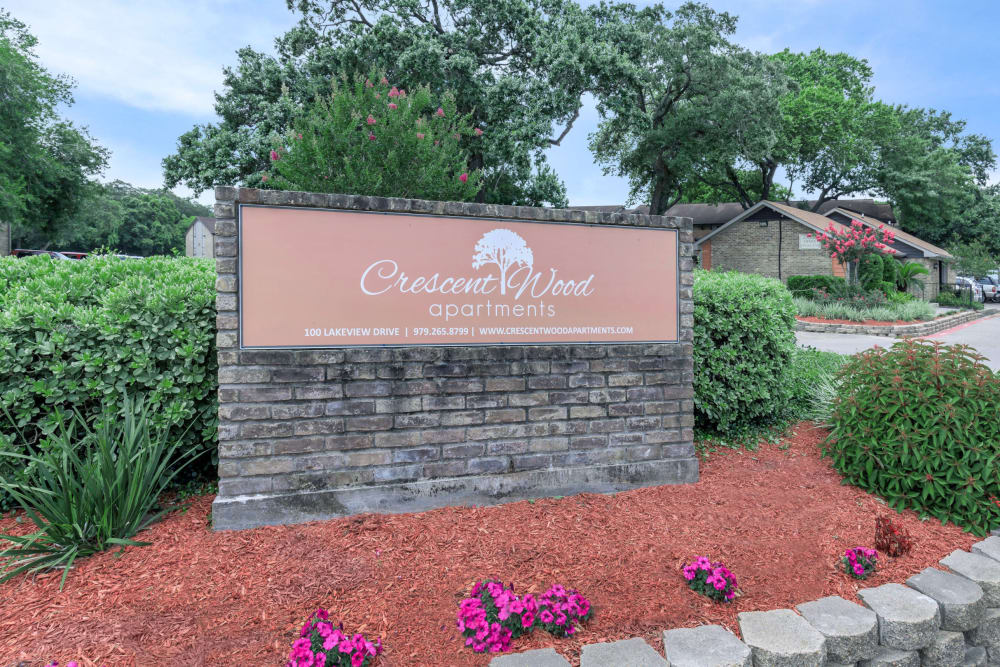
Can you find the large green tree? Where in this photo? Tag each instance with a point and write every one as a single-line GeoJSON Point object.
{"type": "Point", "coordinates": [680, 104]}
{"type": "Point", "coordinates": [935, 174]}
{"type": "Point", "coordinates": [517, 66]}
{"type": "Point", "coordinates": [46, 163]}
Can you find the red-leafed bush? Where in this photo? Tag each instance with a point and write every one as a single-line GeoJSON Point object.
{"type": "Point", "coordinates": [891, 538]}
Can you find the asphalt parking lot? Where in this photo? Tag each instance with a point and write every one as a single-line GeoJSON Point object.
{"type": "Point", "coordinates": [982, 334]}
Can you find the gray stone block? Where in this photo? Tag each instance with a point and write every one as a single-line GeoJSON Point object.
{"type": "Point", "coordinates": [705, 646]}
{"type": "Point", "coordinates": [907, 620]}
{"type": "Point", "coordinates": [987, 633]}
{"type": "Point", "coordinates": [978, 568]}
{"type": "Point", "coordinates": [947, 650]}
{"type": "Point", "coordinates": [543, 657]}
{"type": "Point", "coordinates": [633, 652]}
{"type": "Point", "coordinates": [781, 638]}
{"type": "Point", "coordinates": [989, 547]}
{"type": "Point", "coordinates": [961, 601]}
{"type": "Point", "coordinates": [975, 656]}
{"type": "Point", "coordinates": [891, 657]}
{"type": "Point", "coordinates": [851, 631]}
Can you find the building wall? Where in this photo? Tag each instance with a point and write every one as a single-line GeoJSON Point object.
{"type": "Point", "coordinates": [308, 434]}
{"type": "Point", "coordinates": [932, 280]}
{"type": "Point", "coordinates": [750, 248]}
{"type": "Point", "coordinates": [198, 241]}
{"type": "Point", "coordinates": [4, 239]}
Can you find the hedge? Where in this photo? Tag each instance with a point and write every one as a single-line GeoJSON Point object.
{"type": "Point", "coordinates": [804, 285]}
{"type": "Point", "coordinates": [75, 335]}
{"type": "Point", "coordinates": [744, 339]}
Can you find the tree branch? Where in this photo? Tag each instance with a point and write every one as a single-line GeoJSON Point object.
{"type": "Point", "coordinates": [569, 126]}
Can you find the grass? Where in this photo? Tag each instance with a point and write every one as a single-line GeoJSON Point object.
{"type": "Point", "coordinates": [910, 311]}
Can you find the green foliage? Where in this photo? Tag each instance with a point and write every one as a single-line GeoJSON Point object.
{"type": "Point", "coordinates": [369, 139]}
{"type": "Point", "coordinates": [75, 336]}
{"type": "Point", "coordinates": [917, 425]}
{"type": "Point", "coordinates": [804, 285]}
{"type": "Point", "coordinates": [810, 377]}
{"type": "Point", "coordinates": [951, 299]}
{"type": "Point", "coordinates": [974, 258]}
{"type": "Point", "coordinates": [45, 162]}
{"type": "Point", "coordinates": [682, 106]}
{"type": "Point", "coordinates": [517, 67]}
{"type": "Point", "coordinates": [744, 339]}
{"type": "Point", "coordinates": [94, 487]}
{"type": "Point", "coordinates": [854, 311]}
{"type": "Point", "coordinates": [120, 216]}
{"type": "Point", "coordinates": [907, 276]}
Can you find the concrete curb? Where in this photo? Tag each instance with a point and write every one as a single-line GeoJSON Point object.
{"type": "Point", "coordinates": [896, 330]}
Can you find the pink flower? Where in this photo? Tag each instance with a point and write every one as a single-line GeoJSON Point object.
{"type": "Point", "coordinates": [384, 81]}
{"type": "Point", "coordinates": [463, 178]}
{"type": "Point", "coordinates": [368, 83]}
{"type": "Point", "coordinates": [264, 178]}
{"type": "Point", "coordinates": [439, 113]}
{"type": "Point", "coordinates": [371, 119]}
{"type": "Point", "coordinates": [402, 93]}
{"type": "Point", "coordinates": [420, 135]}
{"type": "Point", "coordinates": [394, 92]}
{"type": "Point", "coordinates": [371, 137]}
{"type": "Point", "coordinates": [479, 132]}
{"type": "Point", "coordinates": [858, 569]}
{"type": "Point", "coordinates": [300, 135]}
{"type": "Point", "coordinates": [274, 156]}
{"type": "Point", "coordinates": [392, 106]}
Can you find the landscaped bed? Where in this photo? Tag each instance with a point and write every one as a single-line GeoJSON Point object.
{"type": "Point", "coordinates": [778, 517]}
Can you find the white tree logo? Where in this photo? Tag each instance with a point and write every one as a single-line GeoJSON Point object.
{"type": "Point", "coordinates": [505, 249]}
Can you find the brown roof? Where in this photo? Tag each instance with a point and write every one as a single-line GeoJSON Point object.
{"type": "Point", "coordinates": [905, 237]}
{"type": "Point", "coordinates": [808, 218]}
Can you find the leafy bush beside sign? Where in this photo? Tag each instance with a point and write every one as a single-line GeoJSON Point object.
{"type": "Point", "coordinates": [744, 339]}
{"type": "Point", "coordinates": [79, 335]}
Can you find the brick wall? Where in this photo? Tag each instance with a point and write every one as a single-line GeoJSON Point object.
{"type": "Point", "coordinates": [307, 434]}
{"type": "Point", "coordinates": [747, 247]}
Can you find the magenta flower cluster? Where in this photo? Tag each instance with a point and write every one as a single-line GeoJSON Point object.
{"type": "Point", "coordinates": [859, 562]}
{"type": "Point", "coordinates": [559, 611]}
{"type": "Point", "coordinates": [713, 580]}
{"type": "Point", "coordinates": [493, 614]}
{"type": "Point", "coordinates": [321, 644]}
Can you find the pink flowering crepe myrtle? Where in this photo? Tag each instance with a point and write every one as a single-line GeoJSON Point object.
{"type": "Point", "coordinates": [848, 245]}
{"type": "Point", "coordinates": [321, 644]}
{"type": "Point", "coordinates": [859, 562]}
{"type": "Point", "coordinates": [493, 615]}
{"type": "Point", "coordinates": [713, 580]}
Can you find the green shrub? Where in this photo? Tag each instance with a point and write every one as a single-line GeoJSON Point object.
{"type": "Point", "coordinates": [917, 425]}
{"type": "Point", "coordinates": [949, 299]}
{"type": "Point", "coordinates": [804, 285]}
{"type": "Point", "coordinates": [744, 338]}
{"type": "Point", "coordinates": [94, 488]}
{"type": "Point", "coordinates": [77, 335]}
{"type": "Point", "coordinates": [811, 374]}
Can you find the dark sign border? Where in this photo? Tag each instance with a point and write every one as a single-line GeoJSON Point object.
{"type": "Point", "coordinates": [239, 276]}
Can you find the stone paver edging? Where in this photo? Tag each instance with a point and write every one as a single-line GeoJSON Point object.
{"type": "Point", "coordinates": [938, 619]}
{"type": "Point", "coordinates": [896, 330]}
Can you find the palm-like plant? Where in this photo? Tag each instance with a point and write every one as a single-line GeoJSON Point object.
{"type": "Point", "coordinates": [91, 489]}
{"type": "Point", "coordinates": [906, 276]}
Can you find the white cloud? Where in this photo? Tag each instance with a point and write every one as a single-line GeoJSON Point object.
{"type": "Point", "coordinates": [160, 55]}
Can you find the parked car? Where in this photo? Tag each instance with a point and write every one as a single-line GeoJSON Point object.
{"type": "Point", "coordinates": [991, 288]}
{"type": "Point", "coordinates": [21, 252]}
{"type": "Point", "coordinates": [965, 284]}
{"type": "Point", "coordinates": [72, 254]}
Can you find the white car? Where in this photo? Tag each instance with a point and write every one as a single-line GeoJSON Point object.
{"type": "Point", "coordinates": [963, 284]}
{"type": "Point", "coordinates": [991, 288]}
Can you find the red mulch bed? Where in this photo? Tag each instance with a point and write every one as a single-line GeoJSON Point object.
{"type": "Point", "coordinates": [778, 517]}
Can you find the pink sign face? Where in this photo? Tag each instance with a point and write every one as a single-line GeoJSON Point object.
{"type": "Point", "coordinates": [313, 278]}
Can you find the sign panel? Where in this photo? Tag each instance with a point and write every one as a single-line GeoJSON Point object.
{"type": "Point", "coordinates": [312, 278]}
{"type": "Point", "coordinates": [808, 243]}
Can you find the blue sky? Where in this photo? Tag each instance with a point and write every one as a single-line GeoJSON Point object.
{"type": "Point", "coordinates": [146, 71]}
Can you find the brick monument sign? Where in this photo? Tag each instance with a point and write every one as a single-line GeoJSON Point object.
{"type": "Point", "coordinates": [392, 355]}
